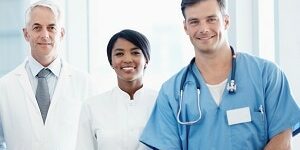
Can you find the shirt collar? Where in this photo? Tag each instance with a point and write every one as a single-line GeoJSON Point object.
{"type": "Point", "coordinates": [125, 95]}
{"type": "Point", "coordinates": [36, 67]}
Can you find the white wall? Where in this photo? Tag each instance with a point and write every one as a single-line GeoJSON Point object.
{"type": "Point", "coordinates": [289, 42]}
{"type": "Point", "coordinates": [289, 47]}
{"type": "Point", "coordinates": [245, 34]}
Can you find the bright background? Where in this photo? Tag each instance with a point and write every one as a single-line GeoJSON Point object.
{"type": "Point", "coordinates": [266, 28]}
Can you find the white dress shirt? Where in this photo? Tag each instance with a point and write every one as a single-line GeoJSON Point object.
{"type": "Point", "coordinates": [33, 68]}
{"type": "Point", "coordinates": [111, 121]}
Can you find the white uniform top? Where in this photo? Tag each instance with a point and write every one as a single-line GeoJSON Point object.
{"type": "Point", "coordinates": [111, 121]}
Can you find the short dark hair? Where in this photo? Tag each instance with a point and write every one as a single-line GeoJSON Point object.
{"type": "Point", "coordinates": [132, 36]}
{"type": "Point", "coordinates": [186, 3]}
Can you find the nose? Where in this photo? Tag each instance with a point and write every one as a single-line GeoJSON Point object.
{"type": "Point", "coordinates": [44, 33]}
{"type": "Point", "coordinates": [203, 27]}
{"type": "Point", "coordinates": [127, 58]}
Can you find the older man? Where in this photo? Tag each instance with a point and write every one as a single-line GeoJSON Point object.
{"type": "Point", "coordinates": [40, 100]}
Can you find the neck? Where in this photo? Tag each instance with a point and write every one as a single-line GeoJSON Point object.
{"type": "Point", "coordinates": [215, 66]}
{"type": "Point", "coordinates": [44, 60]}
{"type": "Point", "coordinates": [130, 87]}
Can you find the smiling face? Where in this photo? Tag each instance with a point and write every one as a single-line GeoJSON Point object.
{"type": "Point", "coordinates": [44, 34]}
{"type": "Point", "coordinates": [206, 26]}
{"type": "Point", "coordinates": [128, 62]}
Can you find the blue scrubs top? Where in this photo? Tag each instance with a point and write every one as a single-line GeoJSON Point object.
{"type": "Point", "coordinates": [260, 83]}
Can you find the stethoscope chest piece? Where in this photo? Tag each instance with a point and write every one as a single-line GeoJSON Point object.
{"type": "Point", "coordinates": [231, 87]}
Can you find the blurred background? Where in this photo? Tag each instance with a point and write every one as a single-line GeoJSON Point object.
{"type": "Point", "coordinates": [266, 28]}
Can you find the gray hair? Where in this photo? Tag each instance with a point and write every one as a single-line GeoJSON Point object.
{"type": "Point", "coordinates": [47, 4]}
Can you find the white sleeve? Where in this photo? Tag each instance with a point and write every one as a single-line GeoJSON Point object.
{"type": "Point", "coordinates": [2, 140]}
{"type": "Point", "coordinates": [94, 88]}
{"type": "Point", "coordinates": [86, 138]}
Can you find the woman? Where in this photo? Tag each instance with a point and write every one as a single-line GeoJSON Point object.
{"type": "Point", "coordinates": [115, 119]}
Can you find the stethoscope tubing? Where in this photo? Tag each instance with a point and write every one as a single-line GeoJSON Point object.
{"type": "Point", "coordinates": [231, 87]}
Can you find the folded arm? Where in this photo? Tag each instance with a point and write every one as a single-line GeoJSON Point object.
{"type": "Point", "coordinates": [281, 141]}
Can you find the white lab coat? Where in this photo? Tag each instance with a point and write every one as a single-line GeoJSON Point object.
{"type": "Point", "coordinates": [111, 121]}
{"type": "Point", "coordinates": [21, 124]}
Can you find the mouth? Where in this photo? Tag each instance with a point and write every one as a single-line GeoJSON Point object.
{"type": "Point", "coordinates": [44, 43]}
{"type": "Point", "coordinates": [128, 68]}
{"type": "Point", "coordinates": [205, 37]}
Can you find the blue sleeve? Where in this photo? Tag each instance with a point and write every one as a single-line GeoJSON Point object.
{"type": "Point", "coordinates": [282, 110]}
{"type": "Point", "coordinates": [161, 131]}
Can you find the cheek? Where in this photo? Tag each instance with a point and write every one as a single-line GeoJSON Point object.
{"type": "Point", "coordinates": [114, 62]}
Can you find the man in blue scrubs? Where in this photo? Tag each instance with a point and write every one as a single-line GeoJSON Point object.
{"type": "Point", "coordinates": [260, 114]}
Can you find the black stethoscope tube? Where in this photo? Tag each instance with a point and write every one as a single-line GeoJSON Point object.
{"type": "Point", "coordinates": [231, 83]}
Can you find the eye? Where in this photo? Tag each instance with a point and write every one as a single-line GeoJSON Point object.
{"type": "Point", "coordinates": [119, 54]}
{"type": "Point", "coordinates": [36, 28]}
{"type": "Point", "coordinates": [193, 22]}
{"type": "Point", "coordinates": [52, 28]}
{"type": "Point", "coordinates": [136, 52]}
{"type": "Point", "coordinates": [211, 20]}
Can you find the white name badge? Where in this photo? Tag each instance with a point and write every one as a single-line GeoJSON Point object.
{"type": "Point", "coordinates": [240, 115]}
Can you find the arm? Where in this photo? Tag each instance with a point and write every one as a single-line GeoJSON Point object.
{"type": "Point", "coordinates": [282, 111]}
{"type": "Point", "coordinates": [85, 138]}
{"type": "Point", "coordinates": [161, 129]}
{"type": "Point", "coordinates": [2, 140]}
{"type": "Point", "coordinates": [281, 141]}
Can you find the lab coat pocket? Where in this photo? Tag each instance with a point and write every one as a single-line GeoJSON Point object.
{"type": "Point", "coordinates": [250, 135]}
{"type": "Point", "coordinates": [259, 122]}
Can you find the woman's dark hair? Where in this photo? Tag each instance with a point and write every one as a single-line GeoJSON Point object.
{"type": "Point", "coordinates": [132, 36]}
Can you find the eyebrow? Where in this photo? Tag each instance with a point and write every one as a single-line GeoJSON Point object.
{"type": "Point", "coordinates": [212, 16]}
{"type": "Point", "coordinates": [195, 18]}
{"type": "Point", "coordinates": [192, 19]}
{"type": "Point", "coordinates": [37, 24]}
{"type": "Point", "coordinates": [121, 49]}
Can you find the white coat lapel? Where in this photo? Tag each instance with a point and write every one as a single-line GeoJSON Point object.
{"type": "Point", "coordinates": [62, 84]}
{"type": "Point", "coordinates": [23, 79]}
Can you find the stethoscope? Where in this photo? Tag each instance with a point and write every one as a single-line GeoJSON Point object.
{"type": "Point", "coordinates": [231, 88]}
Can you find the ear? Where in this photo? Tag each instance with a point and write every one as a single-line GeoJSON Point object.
{"type": "Point", "coordinates": [184, 26]}
{"type": "Point", "coordinates": [146, 64]}
{"type": "Point", "coordinates": [62, 33]}
{"type": "Point", "coordinates": [25, 34]}
{"type": "Point", "coordinates": [226, 21]}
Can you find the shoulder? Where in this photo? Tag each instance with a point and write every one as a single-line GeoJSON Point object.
{"type": "Point", "coordinates": [81, 77]}
{"type": "Point", "coordinates": [254, 62]}
{"type": "Point", "coordinates": [150, 91]}
{"type": "Point", "coordinates": [175, 79]}
{"type": "Point", "coordinates": [10, 76]}
{"type": "Point", "coordinates": [100, 99]}
{"type": "Point", "coordinates": [67, 68]}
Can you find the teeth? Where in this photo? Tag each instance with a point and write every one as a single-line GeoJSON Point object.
{"type": "Point", "coordinates": [128, 68]}
{"type": "Point", "coordinates": [205, 38]}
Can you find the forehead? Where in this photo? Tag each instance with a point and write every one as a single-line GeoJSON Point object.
{"type": "Point", "coordinates": [42, 15]}
{"type": "Point", "coordinates": [122, 43]}
{"type": "Point", "coordinates": [203, 9]}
